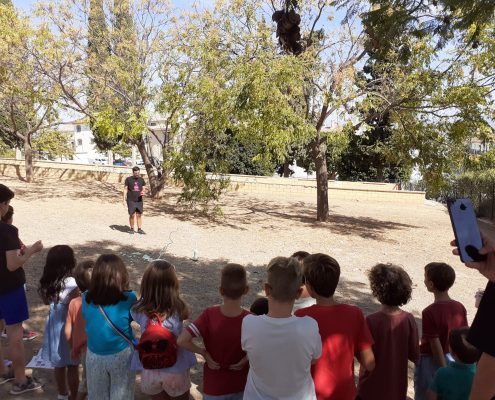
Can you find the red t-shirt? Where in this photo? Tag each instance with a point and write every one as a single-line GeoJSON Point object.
{"type": "Point", "coordinates": [222, 339]}
{"type": "Point", "coordinates": [438, 320]}
{"type": "Point", "coordinates": [343, 332]}
{"type": "Point", "coordinates": [396, 341]}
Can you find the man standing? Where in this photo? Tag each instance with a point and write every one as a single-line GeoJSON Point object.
{"type": "Point", "coordinates": [133, 198]}
{"type": "Point", "coordinates": [13, 302]}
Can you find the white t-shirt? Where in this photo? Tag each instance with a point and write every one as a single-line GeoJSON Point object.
{"type": "Point", "coordinates": [280, 351]}
{"type": "Point", "coordinates": [70, 284]}
{"type": "Point", "coordinates": [303, 303]}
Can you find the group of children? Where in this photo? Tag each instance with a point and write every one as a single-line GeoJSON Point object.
{"type": "Point", "coordinates": [278, 350]}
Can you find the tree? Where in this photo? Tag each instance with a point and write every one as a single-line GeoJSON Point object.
{"type": "Point", "coordinates": [240, 87]}
{"type": "Point", "coordinates": [54, 143]}
{"type": "Point", "coordinates": [122, 78]}
{"type": "Point", "coordinates": [28, 101]}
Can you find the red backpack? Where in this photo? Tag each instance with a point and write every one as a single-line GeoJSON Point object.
{"type": "Point", "coordinates": [157, 347]}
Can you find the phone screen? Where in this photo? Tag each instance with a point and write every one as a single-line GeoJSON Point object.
{"type": "Point", "coordinates": [466, 230]}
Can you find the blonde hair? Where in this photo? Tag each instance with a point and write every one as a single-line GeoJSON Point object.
{"type": "Point", "coordinates": [284, 278]}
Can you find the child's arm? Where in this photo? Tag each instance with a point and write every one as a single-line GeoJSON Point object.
{"type": "Point", "coordinates": [367, 359]}
{"type": "Point", "coordinates": [68, 326]}
{"type": "Point", "coordinates": [240, 365]}
{"type": "Point", "coordinates": [15, 260]}
{"type": "Point", "coordinates": [185, 341]}
{"type": "Point", "coordinates": [437, 351]}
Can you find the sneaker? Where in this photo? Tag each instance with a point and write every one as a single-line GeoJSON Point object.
{"type": "Point", "coordinates": [28, 386]}
{"type": "Point", "coordinates": [29, 335]}
{"type": "Point", "coordinates": [141, 231]}
{"type": "Point", "coordinates": [7, 377]}
{"type": "Point", "coordinates": [132, 232]}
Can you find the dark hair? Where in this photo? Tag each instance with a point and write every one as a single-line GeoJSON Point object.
{"type": "Point", "coordinates": [60, 262]}
{"type": "Point", "coordinates": [8, 215]}
{"type": "Point", "coordinates": [259, 306]}
{"type": "Point", "coordinates": [5, 194]}
{"type": "Point", "coordinates": [135, 168]}
{"type": "Point", "coordinates": [300, 255]}
{"type": "Point", "coordinates": [233, 281]}
{"type": "Point", "coordinates": [390, 284]}
{"type": "Point", "coordinates": [284, 278]}
{"type": "Point", "coordinates": [82, 274]}
{"type": "Point", "coordinates": [109, 281]}
{"type": "Point", "coordinates": [160, 291]}
{"type": "Point", "coordinates": [322, 272]}
{"type": "Point", "coordinates": [465, 352]}
{"type": "Point", "coordinates": [442, 275]}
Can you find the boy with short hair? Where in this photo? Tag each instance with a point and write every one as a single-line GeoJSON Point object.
{"type": "Point", "coordinates": [219, 327]}
{"type": "Point", "coordinates": [343, 331]}
{"type": "Point", "coordinates": [439, 318]}
{"type": "Point", "coordinates": [13, 303]}
{"type": "Point", "coordinates": [304, 300]}
{"type": "Point", "coordinates": [455, 381]}
{"type": "Point", "coordinates": [280, 346]}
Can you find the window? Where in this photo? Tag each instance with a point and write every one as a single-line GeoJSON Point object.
{"type": "Point", "coordinates": [79, 142]}
{"type": "Point", "coordinates": [78, 128]}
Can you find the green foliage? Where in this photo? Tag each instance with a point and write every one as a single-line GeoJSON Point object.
{"type": "Point", "coordinates": [53, 143]}
{"type": "Point", "coordinates": [6, 151]}
{"type": "Point", "coordinates": [122, 149]}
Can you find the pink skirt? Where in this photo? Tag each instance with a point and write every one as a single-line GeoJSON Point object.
{"type": "Point", "coordinates": [156, 381]}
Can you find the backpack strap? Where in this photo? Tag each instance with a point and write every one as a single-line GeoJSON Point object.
{"type": "Point", "coordinates": [117, 330]}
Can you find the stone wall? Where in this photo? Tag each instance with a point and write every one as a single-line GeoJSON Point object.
{"type": "Point", "coordinates": [298, 189]}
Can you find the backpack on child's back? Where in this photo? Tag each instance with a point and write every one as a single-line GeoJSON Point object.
{"type": "Point", "coordinates": [157, 346]}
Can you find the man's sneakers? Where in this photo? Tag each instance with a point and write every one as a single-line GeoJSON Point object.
{"type": "Point", "coordinates": [140, 231]}
{"type": "Point", "coordinates": [28, 386]}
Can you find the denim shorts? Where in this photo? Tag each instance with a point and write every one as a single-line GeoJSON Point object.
{"type": "Point", "coordinates": [14, 307]}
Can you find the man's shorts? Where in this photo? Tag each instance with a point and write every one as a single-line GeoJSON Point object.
{"type": "Point", "coordinates": [14, 307]}
{"type": "Point", "coordinates": [134, 206]}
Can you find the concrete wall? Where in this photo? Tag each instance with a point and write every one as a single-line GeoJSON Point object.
{"type": "Point", "coordinates": [297, 189]}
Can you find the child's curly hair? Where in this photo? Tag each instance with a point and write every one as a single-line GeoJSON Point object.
{"type": "Point", "coordinates": [390, 284]}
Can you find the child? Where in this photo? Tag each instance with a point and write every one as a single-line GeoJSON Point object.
{"type": "Point", "coordinates": [343, 330]}
{"type": "Point", "coordinates": [438, 319]}
{"type": "Point", "coordinates": [259, 306]}
{"type": "Point", "coordinates": [219, 327]}
{"type": "Point", "coordinates": [57, 287]}
{"type": "Point", "coordinates": [280, 346]}
{"type": "Point", "coordinates": [74, 324]}
{"type": "Point", "coordinates": [160, 294]}
{"type": "Point", "coordinates": [395, 334]}
{"type": "Point", "coordinates": [304, 300]}
{"type": "Point", "coordinates": [8, 218]}
{"type": "Point", "coordinates": [455, 381]}
{"type": "Point", "coordinates": [108, 354]}
{"type": "Point", "coordinates": [13, 303]}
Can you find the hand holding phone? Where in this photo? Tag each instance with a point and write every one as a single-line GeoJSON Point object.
{"type": "Point", "coordinates": [466, 230]}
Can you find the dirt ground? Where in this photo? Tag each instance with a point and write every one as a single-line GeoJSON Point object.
{"type": "Point", "coordinates": [90, 217]}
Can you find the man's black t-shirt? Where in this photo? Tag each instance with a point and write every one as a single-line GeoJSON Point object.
{"type": "Point", "coordinates": [9, 240]}
{"type": "Point", "coordinates": [134, 188]}
{"type": "Point", "coordinates": [482, 332]}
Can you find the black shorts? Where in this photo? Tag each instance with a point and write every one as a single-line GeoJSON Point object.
{"type": "Point", "coordinates": [134, 207]}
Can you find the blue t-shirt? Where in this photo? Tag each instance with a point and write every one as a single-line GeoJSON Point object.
{"type": "Point", "coordinates": [454, 382]}
{"type": "Point", "coordinates": [102, 339]}
{"type": "Point", "coordinates": [185, 359]}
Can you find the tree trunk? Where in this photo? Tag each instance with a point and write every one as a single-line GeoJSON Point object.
{"type": "Point", "coordinates": [286, 170]}
{"type": "Point", "coordinates": [156, 184]}
{"type": "Point", "coordinates": [320, 160]}
{"type": "Point", "coordinates": [28, 158]}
